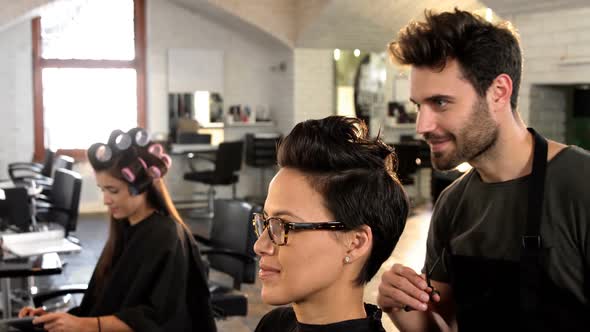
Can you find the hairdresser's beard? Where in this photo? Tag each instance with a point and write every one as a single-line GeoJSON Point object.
{"type": "Point", "coordinates": [477, 136]}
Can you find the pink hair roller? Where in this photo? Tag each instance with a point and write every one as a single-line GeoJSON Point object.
{"type": "Point", "coordinates": [167, 160]}
{"type": "Point", "coordinates": [128, 175]}
{"type": "Point", "coordinates": [156, 149]}
{"type": "Point", "coordinates": [142, 163]}
{"type": "Point", "coordinates": [155, 172]}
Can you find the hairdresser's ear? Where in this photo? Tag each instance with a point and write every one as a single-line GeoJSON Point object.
{"type": "Point", "coordinates": [499, 93]}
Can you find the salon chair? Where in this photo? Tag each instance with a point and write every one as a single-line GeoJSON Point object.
{"type": "Point", "coordinates": [261, 153]}
{"type": "Point", "coordinates": [228, 161]}
{"type": "Point", "coordinates": [229, 249]}
{"type": "Point", "coordinates": [24, 176]}
{"type": "Point", "coordinates": [62, 205]}
{"type": "Point", "coordinates": [44, 168]}
{"type": "Point", "coordinates": [15, 211]}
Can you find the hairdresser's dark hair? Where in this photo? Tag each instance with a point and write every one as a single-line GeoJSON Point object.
{"type": "Point", "coordinates": [482, 49]}
{"type": "Point", "coordinates": [356, 178]}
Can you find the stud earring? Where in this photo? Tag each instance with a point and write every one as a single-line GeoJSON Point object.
{"type": "Point", "coordinates": [347, 259]}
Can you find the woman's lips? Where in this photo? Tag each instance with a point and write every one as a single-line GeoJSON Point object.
{"type": "Point", "coordinates": [267, 272]}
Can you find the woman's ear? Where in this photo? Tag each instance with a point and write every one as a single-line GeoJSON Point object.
{"type": "Point", "coordinates": [360, 242]}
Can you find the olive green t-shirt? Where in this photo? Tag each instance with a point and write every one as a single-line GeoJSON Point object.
{"type": "Point", "coordinates": [487, 220]}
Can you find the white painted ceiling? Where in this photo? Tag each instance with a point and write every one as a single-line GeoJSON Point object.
{"type": "Point", "coordinates": [512, 7]}
{"type": "Point", "coordinates": [365, 24]}
{"type": "Point", "coordinates": [12, 11]}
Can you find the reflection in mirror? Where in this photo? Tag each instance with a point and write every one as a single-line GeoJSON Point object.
{"type": "Point", "coordinates": [361, 85]}
{"type": "Point", "coordinates": [190, 111]}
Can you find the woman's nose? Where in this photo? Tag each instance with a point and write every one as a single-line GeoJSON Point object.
{"type": "Point", "coordinates": [106, 199]}
{"type": "Point", "coordinates": [263, 245]}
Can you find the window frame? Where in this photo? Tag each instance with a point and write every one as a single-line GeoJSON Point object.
{"type": "Point", "coordinates": [39, 63]}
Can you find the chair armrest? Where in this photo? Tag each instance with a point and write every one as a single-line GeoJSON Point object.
{"type": "Point", "coordinates": [42, 204]}
{"type": "Point", "coordinates": [38, 178]}
{"type": "Point", "coordinates": [42, 198]}
{"type": "Point", "coordinates": [14, 172]}
{"type": "Point", "coordinates": [34, 167]}
{"type": "Point", "coordinates": [202, 240]}
{"type": "Point", "coordinates": [41, 297]}
{"type": "Point", "coordinates": [228, 252]}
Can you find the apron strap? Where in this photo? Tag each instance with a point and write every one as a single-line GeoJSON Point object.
{"type": "Point", "coordinates": [531, 273]}
{"type": "Point", "coordinates": [532, 236]}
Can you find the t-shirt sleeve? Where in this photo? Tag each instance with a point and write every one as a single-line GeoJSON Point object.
{"type": "Point", "coordinates": [437, 241]}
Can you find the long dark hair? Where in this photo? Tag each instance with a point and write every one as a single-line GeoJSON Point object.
{"type": "Point", "coordinates": [356, 177]}
{"type": "Point", "coordinates": [483, 50]}
{"type": "Point", "coordinates": [157, 197]}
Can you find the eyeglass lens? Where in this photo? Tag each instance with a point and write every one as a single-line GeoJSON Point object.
{"type": "Point", "coordinates": [276, 228]}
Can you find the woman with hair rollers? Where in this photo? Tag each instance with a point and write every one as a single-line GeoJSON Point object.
{"type": "Point", "coordinates": [149, 276]}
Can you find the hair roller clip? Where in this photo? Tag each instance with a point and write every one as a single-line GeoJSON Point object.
{"type": "Point", "coordinates": [156, 149]}
{"type": "Point", "coordinates": [100, 155]}
{"type": "Point", "coordinates": [155, 172]}
{"type": "Point", "coordinates": [128, 175]}
{"type": "Point", "coordinates": [142, 162]}
{"type": "Point", "coordinates": [139, 136]}
{"type": "Point", "coordinates": [167, 160]}
{"type": "Point", "coordinates": [119, 140]}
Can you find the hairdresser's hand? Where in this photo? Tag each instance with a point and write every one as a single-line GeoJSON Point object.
{"type": "Point", "coordinates": [402, 288]}
{"type": "Point", "coordinates": [30, 312]}
{"type": "Point", "coordinates": [64, 322]}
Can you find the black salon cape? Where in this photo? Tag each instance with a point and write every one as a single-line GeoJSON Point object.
{"type": "Point", "coordinates": [157, 282]}
{"type": "Point", "coordinates": [283, 319]}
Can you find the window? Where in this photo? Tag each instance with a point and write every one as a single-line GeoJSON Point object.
{"type": "Point", "coordinates": [89, 72]}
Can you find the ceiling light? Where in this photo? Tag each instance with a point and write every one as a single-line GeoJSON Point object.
{"type": "Point", "coordinates": [336, 54]}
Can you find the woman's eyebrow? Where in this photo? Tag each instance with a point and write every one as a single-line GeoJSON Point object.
{"type": "Point", "coordinates": [280, 213]}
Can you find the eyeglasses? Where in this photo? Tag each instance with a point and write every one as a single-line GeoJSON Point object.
{"type": "Point", "coordinates": [278, 229]}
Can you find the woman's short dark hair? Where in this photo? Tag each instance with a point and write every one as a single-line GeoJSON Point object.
{"type": "Point", "coordinates": [356, 177]}
{"type": "Point", "coordinates": [483, 50]}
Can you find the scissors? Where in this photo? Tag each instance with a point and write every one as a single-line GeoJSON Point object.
{"type": "Point", "coordinates": [428, 274]}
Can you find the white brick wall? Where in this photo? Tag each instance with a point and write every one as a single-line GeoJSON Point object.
{"type": "Point", "coordinates": [16, 96]}
{"type": "Point", "coordinates": [282, 95]}
{"type": "Point", "coordinates": [314, 84]}
{"type": "Point", "coordinates": [549, 116]}
{"type": "Point", "coordinates": [548, 39]}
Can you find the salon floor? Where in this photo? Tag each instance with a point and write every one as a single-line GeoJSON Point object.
{"type": "Point", "coordinates": [92, 231]}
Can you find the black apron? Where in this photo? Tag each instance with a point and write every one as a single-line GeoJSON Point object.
{"type": "Point", "coordinates": [499, 295]}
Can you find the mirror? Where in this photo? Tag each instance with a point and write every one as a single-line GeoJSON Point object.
{"type": "Point", "coordinates": [187, 112]}
{"type": "Point", "coordinates": [362, 89]}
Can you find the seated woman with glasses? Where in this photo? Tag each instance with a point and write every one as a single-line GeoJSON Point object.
{"type": "Point", "coordinates": [149, 276]}
{"type": "Point", "coordinates": [333, 214]}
